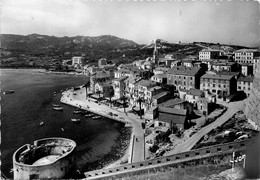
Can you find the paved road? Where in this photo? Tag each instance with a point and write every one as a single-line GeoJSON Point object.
{"type": "Point", "coordinates": [233, 107]}
{"type": "Point", "coordinates": [80, 99]}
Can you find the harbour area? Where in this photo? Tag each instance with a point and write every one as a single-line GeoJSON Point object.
{"type": "Point", "coordinates": [136, 149]}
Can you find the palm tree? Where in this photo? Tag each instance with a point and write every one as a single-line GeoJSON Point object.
{"type": "Point", "coordinates": [87, 85]}
{"type": "Point", "coordinates": [98, 92]}
{"type": "Point", "coordinates": [123, 98]}
{"type": "Point", "coordinates": [109, 93]}
{"type": "Point", "coordinates": [140, 100]}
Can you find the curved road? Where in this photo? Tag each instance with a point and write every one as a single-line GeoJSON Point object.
{"type": "Point", "coordinates": [137, 150]}
{"type": "Point", "coordinates": [233, 107]}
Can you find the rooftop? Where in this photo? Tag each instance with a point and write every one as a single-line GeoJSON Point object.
{"type": "Point", "coordinates": [155, 88]}
{"type": "Point", "coordinates": [160, 75]}
{"type": "Point", "coordinates": [222, 63]}
{"type": "Point", "coordinates": [172, 111]}
{"type": "Point", "coordinates": [121, 78]}
{"type": "Point", "coordinates": [101, 74]}
{"type": "Point", "coordinates": [162, 69]}
{"type": "Point", "coordinates": [133, 79]}
{"type": "Point", "coordinates": [210, 50]}
{"type": "Point", "coordinates": [195, 92]}
{"type": "Point", "coordinates": [172, 115]}
{"type": "Point", "coordinates": [123, 71]}
{"type": "Point", "coordinates": [172, 102]}
{"type": "Point", "coordinates": [146, 83]}
{"type": "Point", "coordinates": [247, 64]}
{"type": "Point", "coordinates": [217, 76]}
{"type": "Point", "coordinates": [160, 95]}
{"type": "Point", "coordinates": [247, 50]}
{"type": "Point", "coordinates": [246, 78]}
{"type": "Point", "coordinates": [181, 70]}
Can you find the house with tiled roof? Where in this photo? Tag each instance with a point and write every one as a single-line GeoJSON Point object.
{"type": "Point", "coordinates": [193, 95]}
{"type": "Point", "coordinates": [159, 78]}
{"type": "Point", "coordinates": [185, 77]}
{"type": "Point", "coordinates": [100, 76]}
{"type": "Point", "coordinates": [160, 70]}
{"type": "Point", "coordinates": [218, 84]}
{"type": "Point", "coordinates": [171, 118]}
{"type": "Point", "coordinates": [102, 86]}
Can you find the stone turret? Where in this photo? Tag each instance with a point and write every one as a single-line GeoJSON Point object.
{"type": "Point", "coordinates": [252, 109]}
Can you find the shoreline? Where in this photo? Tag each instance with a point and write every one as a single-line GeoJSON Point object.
{"type": "Point", "coordinates": [124, 153]}
{"type": "Point", "coordinates": [115, 155]}
{"type": "Point", "coordinates": [42, 70]}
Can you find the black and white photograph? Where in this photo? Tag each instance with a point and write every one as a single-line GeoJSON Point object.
{"type": "Point", "coordinates": [130, 89]}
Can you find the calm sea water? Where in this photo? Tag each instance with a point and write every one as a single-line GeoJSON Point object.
{"type": "Point", "coordinates": [22, 112]}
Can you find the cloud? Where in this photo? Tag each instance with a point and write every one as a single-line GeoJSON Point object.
{"type": "Point", "coordinates": [138, 21]}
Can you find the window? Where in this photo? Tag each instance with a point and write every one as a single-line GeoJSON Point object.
{"type": "Point", "coordinates": [239, 87]}
{"type": "Point", "coordinates": [213, 85]}
{"type": "Point", "coordinates": [213, 90]}
{"type": "Point", "coordinates": [224, 86]}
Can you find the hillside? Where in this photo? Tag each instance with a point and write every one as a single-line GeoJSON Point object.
{"type": "Point", "coordinates": [41, 44]}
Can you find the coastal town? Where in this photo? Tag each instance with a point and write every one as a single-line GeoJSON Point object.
{"type": "Point", "coordinates": [131, 90]}
{"type": "Point", "coordinates": [171, 102]}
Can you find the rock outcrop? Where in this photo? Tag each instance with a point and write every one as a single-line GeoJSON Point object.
{"type": "Point", "coordinates": [252, 109]}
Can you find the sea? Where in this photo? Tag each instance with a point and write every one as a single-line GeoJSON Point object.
{"type": "Point", "coordinates": [23, 111]}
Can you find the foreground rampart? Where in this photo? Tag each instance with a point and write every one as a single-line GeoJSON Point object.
{"type": "Point", "coordinates": [208, 155]}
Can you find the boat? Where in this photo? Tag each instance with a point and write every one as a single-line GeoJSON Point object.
{"type": "Point", "coordinates": [41, 123]}
{"type": "Point", "coordinates": [62, 129]}
{"type": "Point", "coordinates": [96, 117]}
{"type": "Point", "coordinates": [77, 111]}
{"type": "Point", "coordinates": [75, 120]}
{"type": "Point", "coordinates": [57, 108]}
{"type": "Point", "coordinates": [9, 92]}
{"type": "Point", "coordinates": [89, 115]}
{"type": "Point", "coordinates": [55, 105]}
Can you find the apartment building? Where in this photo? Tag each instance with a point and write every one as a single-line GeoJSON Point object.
{"type": "Point", "coordinates": [246, 55]}
{"type": "Point", "coordinates": [247, 69]}
{"type": "Point", "coordinates": [220, 85]}
{"type": "Point", "coordinates": [119, 87]}
{"type": "Point", "coordinates": [209, 54]}
{"type": "Point", "coordinates": [225, 65]}
{"type": "Point", "coordinates": [185, 77]}
{"type": "Point", "coordinates": [245, 84]}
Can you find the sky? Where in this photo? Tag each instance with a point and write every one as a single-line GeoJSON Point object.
{"type": "Point", "coordinates": [229, 22]}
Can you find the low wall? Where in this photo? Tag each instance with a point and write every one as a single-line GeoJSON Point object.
{"type": "Point", "coordinates": [211, 151]}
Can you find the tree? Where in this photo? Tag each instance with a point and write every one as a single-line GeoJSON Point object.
{"type": "Point", "coordinates": [140, 100]}
{"type": "Point", "coordinates": [109, 93]}
{"type": "Point", "coordinates": [123, 98]}
{"type": "Point", "coordinates": [87, 85]}
{"type": "Point", "coordinates": [98, 92]}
